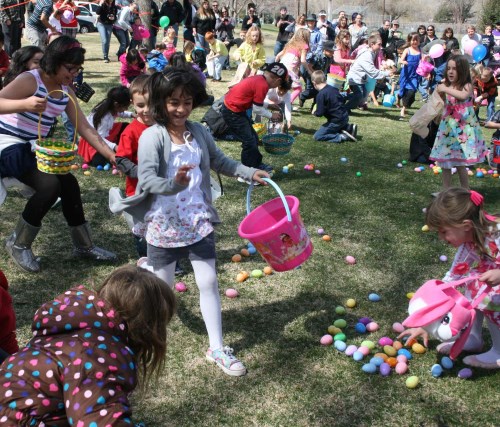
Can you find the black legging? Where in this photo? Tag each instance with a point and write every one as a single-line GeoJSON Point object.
{"type": "Point", "coordinates": [47, 189]}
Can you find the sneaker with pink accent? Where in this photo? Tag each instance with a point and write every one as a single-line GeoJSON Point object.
{"type": "Point", "coordinates": [224, 359]}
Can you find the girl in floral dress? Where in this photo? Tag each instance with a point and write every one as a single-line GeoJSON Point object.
{"type": "Point", "coordinates": [459, 140]}
{"type": "Point", "coordinates": [460, 219]}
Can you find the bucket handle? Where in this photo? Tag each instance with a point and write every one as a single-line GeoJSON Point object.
{"type": "Point", "coordinates": [278, 190]}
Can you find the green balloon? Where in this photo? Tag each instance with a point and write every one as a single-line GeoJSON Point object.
{"type": "Point", "coordinates": [164, 21]}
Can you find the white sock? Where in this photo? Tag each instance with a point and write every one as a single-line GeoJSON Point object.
{"type": "Point", "coordinates": [493, 355]}
{"type": "Point", "coordinates": [166, 273]}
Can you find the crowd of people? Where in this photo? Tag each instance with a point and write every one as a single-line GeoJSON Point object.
{"type": "Point", "coordinates": [339, 65]}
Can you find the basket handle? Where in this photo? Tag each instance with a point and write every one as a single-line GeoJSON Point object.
{"type": "Point", "coordinates": [278, 190]}
{"type": "Point", "coordinates": [76, 116]}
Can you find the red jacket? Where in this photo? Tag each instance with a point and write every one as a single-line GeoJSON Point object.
{"type": "Point", "coordinates": [8, 341]}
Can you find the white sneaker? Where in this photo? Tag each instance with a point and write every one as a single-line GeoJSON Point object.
{"type": "Point", "coordinates": [224, 359]}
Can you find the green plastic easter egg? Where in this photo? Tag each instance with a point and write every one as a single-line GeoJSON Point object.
{"type": "Point", "coordinates": [339, 309]}
{"type": "Point", "coordinates": [369, 344]}
{"type": "Point", "coordinates": [257, 273]}
{"type": "Point", "coordinates": [340, 323]}
{"type": "Point", "coordinates": [339, 337]}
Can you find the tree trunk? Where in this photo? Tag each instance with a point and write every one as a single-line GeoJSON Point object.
{"type": "Point", "coordinates": [145, 14]}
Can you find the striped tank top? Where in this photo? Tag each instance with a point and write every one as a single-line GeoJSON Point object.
{"type": "Point", "coordinates": [25, 125]}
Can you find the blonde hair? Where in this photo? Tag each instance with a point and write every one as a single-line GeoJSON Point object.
{"type": "Point", "coordinates": [340, 37]}
{"type": "Point", "coordinates": [254, 28]}
{"type": "Point", "coordinates": [318, 77]}
{"type": "Point", "coordinates": [205, 14]}
{"type": "Point", "coordinates": [146, 304]}
{"type": "Point", "coordinates": [300, 38]}
{"type": "Point", "coordinates": [452, 207]}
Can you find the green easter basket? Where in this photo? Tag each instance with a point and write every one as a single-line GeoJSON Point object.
{"type": "Point", "coordinates": [277, 143]}
{"type": "Point", "coordinates": [54, 156]}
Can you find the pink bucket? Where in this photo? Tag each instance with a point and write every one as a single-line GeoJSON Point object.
{"type": "Point", "coordinates": [277, 231]}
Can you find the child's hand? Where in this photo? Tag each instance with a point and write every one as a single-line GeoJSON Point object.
{"type": "Point", "coordinates": [478, 100]}
{"type": "Point", "coordinates": [258, 175]}
{"type": "Point", "coordinates": [414, 333]}
{"type": "Point", "coordinates": [182, 177]}
{"type": "Point", "coordinates": [491, 277]}
{"type": "Point", "coordinates": [34, 104]}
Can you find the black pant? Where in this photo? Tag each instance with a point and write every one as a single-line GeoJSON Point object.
{"type": "Point", "coordinates": [309, 92]}
{"type": "Point", "coordinates": [47, 189]}
{"type": "Point", "coordinates": [12, 34]}
{"type": "Point", "coordinates": [240, 125]}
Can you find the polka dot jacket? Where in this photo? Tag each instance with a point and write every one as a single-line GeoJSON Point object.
{"type": "Point", "coordinates": [76, 370]}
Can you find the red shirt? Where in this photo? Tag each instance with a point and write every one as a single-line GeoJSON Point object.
{"type": "Point", "coordinates": [129, 144]}
{"type": "Point", "coordinates": [4, 62]}
{"type": "Point", "coordinates": [72, 8]}
{"type": "Point", "coordinates": [249, 91]}
{"type": "Point", "coordinates": [8, 341]}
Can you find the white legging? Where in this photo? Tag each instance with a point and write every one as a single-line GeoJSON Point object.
{"type": "Point", "coordinates": [206, 280]}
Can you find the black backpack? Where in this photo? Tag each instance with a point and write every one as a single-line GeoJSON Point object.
{"type": "Point", "coordinates": [199, 57]}
{"type": "Point", "coordinates": [420, 148]}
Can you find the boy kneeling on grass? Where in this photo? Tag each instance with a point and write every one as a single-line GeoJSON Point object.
{"type": "Point", "coordinates": [330, 104]}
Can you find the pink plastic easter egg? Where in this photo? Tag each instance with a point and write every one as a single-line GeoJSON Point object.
{"type": "Point", "coordinates": [326, 340]}
{"type": "Point", "coordinates": [372, 327]}
{"type": "Point", "coordinates": [365, 351]}
{"type": "Point", "coordinates": [180, 287]}
{"type": "Point", "coordinates": [115, 172]}
{"type": "Point", "coordinates": [402, 358]}
{"type": "Point", "coordinates": [417, 170]}
{"type": "Point", "coordinates": [85, 166]}
{"type": "Point", "coordinates": [401, 368]}
{"type": "Point", "coordinates": [232, 293]}
{"type": "Point", "coordinates": [317, 172]}
{"type": "Point", "coordinates": [398, 327]}
{"type": "Point", "coordinates": [385, 341]}
{"type": "Point", "coordinates": [350, 260]}
{"type": "Point", "coordinates": [349, 351]}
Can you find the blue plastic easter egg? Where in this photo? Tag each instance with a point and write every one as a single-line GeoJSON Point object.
{"type": "Point", "coordinates": [252, 250]}
{"type": "Point", "coordinates": [99, 168]}
{"type": "Point", "coordinates": [374, 297]}
{"type": "Point", "coordinates": [405, 352]}
{"type": "Point", "coordinates": [107, 167]}
{"type": "Point", "coordinates": [369, 368]}
{"type": "Point", "coordinates": [360, 328]}
{"type": "Point", "coordinates": [357, 356]}
{"type": "Point", "coordinates": [343, 159]}
{"type": "Point", "coordinates": [340, 345]}
{"type": "Point", "coordinates": [385, 369]}
{"type": "Point", "coordinates": [436, 370]}
{"type": "Point", "coordinates": [446, 362]}
{"type": "Point", "coordinates": [479, 174]}
{"type": "Point", "coordinates": [377, 361]}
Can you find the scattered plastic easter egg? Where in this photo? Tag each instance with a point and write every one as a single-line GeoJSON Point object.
{"type": "Point", "coordinates": [409, 295]}
{"type": "Point", "coordinates": [340, 345]}
{"type": "Point", "coordinates": [242, 276]}
{"type": "Point", "coordinates": [425, 228]}
{"type": "Point", "coordinates": [86, 173]}
{"type": "Point", "coordinates": [232, 293]}
{"type": "Point", "coordinates": [349, 351]}
{"type": "Point", "coordinates": [405, 352]}
{"type": "Point", "coordinates": [74, 167]}
{"type": "Point", "coordinates": [343, 159]}
{"type": "Point", "coordinates": [409, 342]}
{"type": "Point", "coordinates": [446, 362]}
{"type": "Point", "coordinates": [340, 310]}
{"type": "Point", "coordinates": [350, 260]}
{"type": "Point", "coordinates": [424, 210]}
{"type": "Point", "coordinates": [358, 173]}
{"type": "Point", "coordinates": [85, 166]}
{"type": "Point", "coordinates": [390, 350]}
{"type": "Point", "coordinates": [398, 327]}
{"type": "Point", "coordinates": [385, 369]}
{"type": "Point", "coordinates": [326, 238]}
{"type": "Point", "coordinates": [374, 297]}
{"type": "Point", "coordinates": [107, 167]}
{"type": "Point", "coordinates": [333, 330]}
{"type": "Point", "coordinates": [418, 170]}
{"type": "Point", "coordinates": [317, 172]}
{"type": "Point", "coordinates": [404, 162]}
{"type": "Point", "coordinates": [369, 344]}
{"type": "Point", "coordinates": [365, 350]}
{"type": "Point", "coordinates": [365, 320]}
{"type": "Point", "coordinates": [236, 258]}
{"type": "Point", "coordinates": [391, 361]}
{"type": "Point", "coordinates": [418, 348]}
{"type": "Point", "coordinates": [399, 165]}
{"type": "Point", "coordinates": [340, 323]}
{"type": "Point", "coordinates": [180, 287]}
{"type": "Point", "coordinates": [291, 165]}
{"type": "Point", "coordinates": [397, 345]}
{"type": "Point", "coordinates": [401, 368]}
{"type": "Point", "coordinates": [339, 337]}
{"type": "Point", "coordinates": [326, 340]}
{"type": "Point", "coordinates": [369, 368]}
{"type": "Point", "coordinates": [321, 231]}
{"type": "Point", "coordinates": [115, 172]}
{"type": "Point", "coordinates": [372, 327]}
{"type": "Point", "coordinates": [402, 358]}
{"type": "Point", "coordinates": [465, 373]}
{"type": "Point", "coordinates": [257, 273]}
{"type": "Point", "coordinates": [377, 361]}
{"type": "Point", "coordinates": [267, 270]}
{"type": "Point", "coordinates": [285, 169]}
{"type": "Point", "coordinates": [351, 303]}
{"type": "Point", "coordinates": [443, 258]}
{"type": "Point", "coordinates": [251, 250]}
{"type": "Point", "coordinates": [99, 168]}
{"type": "Point", "coordinates": [360, 328]}
{"type": "Point", "coordinates": [479, 174]}
{"type": "Point", "coordinates": [245, 252]}
{"type": "Point", "coordinates": [385, 341]}
{"type": "Point", "coordinates": [412, 382]}
{"type": "Point", "coordinates": [436, 370]}
{"type": "Point", "coordinates": [357, 356]}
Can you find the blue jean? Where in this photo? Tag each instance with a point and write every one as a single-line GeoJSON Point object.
{"type": "Point", "coordinates": [490, 108]}
{"type": "Point", "coordinates": [356, 97]}
{"type": "Point", "coordinates": [214, 67]}
{"type": "Point", "coordinates": [330, 132]}
{"type": "Point", "coordinates": [201, 42]}
{"type": "Point", "coordinates": [70, 128]}
{"type": "Point", "coordinates": [423, 89]}
{"type": "Point", "coordinates": [105, 31]}
{"type": "Point", "coordinates": [124, 40]}
{"type": "Point", "coordinates": [239, 124]}
{"type": "Point", "coordinates": [278, 47]}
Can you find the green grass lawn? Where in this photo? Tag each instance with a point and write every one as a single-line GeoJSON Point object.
{"type": "Point", "coordinates": [276, 323]}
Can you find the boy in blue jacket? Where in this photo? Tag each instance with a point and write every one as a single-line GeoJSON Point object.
{"type": "Point", "coordinates": [330, 104]}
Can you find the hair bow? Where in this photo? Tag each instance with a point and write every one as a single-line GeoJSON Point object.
{"type": "Point", "coordinates": [478, 200]}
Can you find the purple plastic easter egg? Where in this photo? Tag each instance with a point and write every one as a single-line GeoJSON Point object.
{"type": "Point", "coordinates": [180, 287]}
{"type": "Point", "coordinates": [385, 369]}
{"type": "Point", "coordinates": [398, 327]}
{"type": "Point", "coordinates": [365, 320]}
{"type": "Point", "coordinates": [351, 349]}
{"type": "Point", "coordinates": [326, 340]}
{"type": "Point", "coordinates": [372, 327]}
{"type": "Point", "coordinates": [401, 368]}
{"type": "Point", "coordinates": [385, 341]}
{"type": "Point", "coordinates": [465, 373]}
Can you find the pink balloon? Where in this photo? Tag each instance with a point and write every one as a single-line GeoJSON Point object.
{"type": "Point", "coordinates": [67, 16]}
{"type": "Point", "coordinates": [436, 51]}
{"type": "Point", "coordinates": [468, 46]}
{"type": "Point", "coordinates": [145, 33]}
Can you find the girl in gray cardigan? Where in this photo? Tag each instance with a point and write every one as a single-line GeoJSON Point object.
{"type": "Point", "coordinates": [173, 196]}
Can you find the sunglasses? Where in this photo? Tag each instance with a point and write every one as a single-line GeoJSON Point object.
{"type": "Point", "coordinates": [430, 29]}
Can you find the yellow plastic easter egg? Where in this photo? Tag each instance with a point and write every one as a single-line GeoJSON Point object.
{"type": "Point", "coordinates": [412, 382]}
{"type": "Point", "coordinates": [86, 173]}
{"type": "Point", "coordinates": [350, 303]}
{"type": "Point", "coordinates": [409, 295]}
{"type": "Point", "coordinates": [333, 330]}
{"type": "Point", "coordinates": [425, 228]}
{"type": "Point", "coordinates": [390, 350]}
{"type": "Point", "coordinates": [290, 165]}
{"type": "Point", "coordinates": [418, 348]}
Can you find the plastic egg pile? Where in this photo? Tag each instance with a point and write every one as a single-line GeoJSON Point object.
{"type": "Point", "coordinates": [446, 364]}
{"type": "Point", "coordinates": [244, 275]}
{"type": "Point", "coordinates": [479, 172]}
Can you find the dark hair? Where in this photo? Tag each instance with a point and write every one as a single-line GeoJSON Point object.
{"type": "Point", "coordinates": [286, 84]}
{"type": "Point", "coordinates": [19, 62]}
{"type": "Point", "coordinates": [63, 50]}
{"type": "Point", "coordinates": [463, 71]}
{"type": "Point", "coordinates": [421, 27]}
{"type": "Point", "coordinates": [163, 84]}
{"type": "Point", "coordinates": [146, 304]}
{"type": "Point", "coordinates": [134, 55]}
{"type": "Point", "coordinates": [2, 38]}
{"type": "Point", "coordinates": [178, 60]}
{"type": "Point", "coordinates": [119, 95]}
{"type": "Point", "coordinates": [447, 30]}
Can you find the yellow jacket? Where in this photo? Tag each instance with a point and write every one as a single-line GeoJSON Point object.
{"type": "Point", "coordinates": [254, 58]}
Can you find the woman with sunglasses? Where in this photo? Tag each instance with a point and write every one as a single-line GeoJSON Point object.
{"type": "Point", "coordinates": [250, 19]}
{"type": "Point", "coordinates": [431, 34]}
{"type": "Point", "coordinates": [40, 96]}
